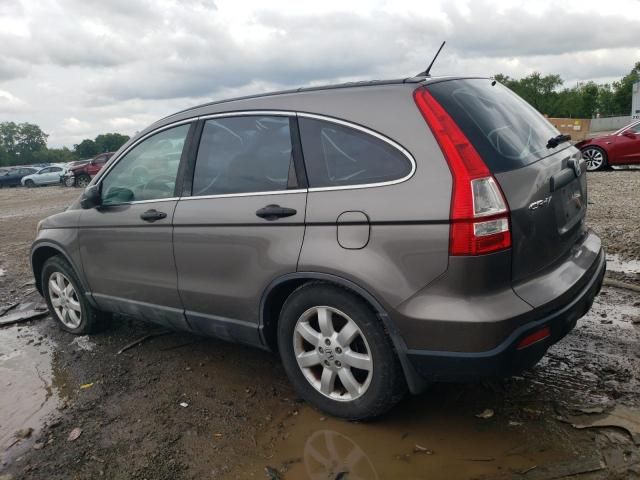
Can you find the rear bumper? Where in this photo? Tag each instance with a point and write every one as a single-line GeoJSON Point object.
{"type": "Point", "coordinates": [507, 359]}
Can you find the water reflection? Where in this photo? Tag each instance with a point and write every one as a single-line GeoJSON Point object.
{"type": "Point", "coordinates": [329, 454]}
{"type": "Point", "coordinates": [436, 435]}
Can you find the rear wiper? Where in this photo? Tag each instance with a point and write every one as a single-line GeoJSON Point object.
{"type": "Point", "coordinates": [557, 140]}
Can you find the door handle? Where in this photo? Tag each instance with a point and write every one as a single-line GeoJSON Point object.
{"type": "Point", "coordinates": [274, 212]}
{"type": "Point", "coordinates": [152, 215]}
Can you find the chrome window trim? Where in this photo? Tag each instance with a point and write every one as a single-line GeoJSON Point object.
{"type": "Point", "coordinates": [249, 113]}
{"type": "Point", "coordinates": [135, 202]}
{"type": "Point", "coordinates": [375, 134]}
{"type": "Point", "coordinates": [288, 113]}
{"type": "Point", "coordinates": [247, 194]}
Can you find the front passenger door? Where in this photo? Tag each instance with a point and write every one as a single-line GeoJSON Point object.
{"type": "Point", "coordinates": [126, 243]}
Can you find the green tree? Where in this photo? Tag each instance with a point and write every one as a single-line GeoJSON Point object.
{"type": "Point", "coordinates": [622, 90]}
{"type": "Point", "coordinates": [21, 142]}
{"type": "Point", "coordinates": [86, 149]}
{"type": "Point", "coordinates": [55, 155]}
{"type": "Point", "coordinates": [110, 142]}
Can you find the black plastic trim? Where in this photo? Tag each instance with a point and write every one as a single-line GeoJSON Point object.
{"type": "Point", "coordinates": [188, 160]}
{"type": "Point", "coordinates": [298, 157]}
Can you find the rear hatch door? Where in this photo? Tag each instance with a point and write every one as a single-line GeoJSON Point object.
{"type": "Point", "coordinates": [544, 185]}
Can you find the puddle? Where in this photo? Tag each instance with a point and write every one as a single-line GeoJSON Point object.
{"type": "Point", "coordinates": [614, 264]}
{"type": "Point", "coordinates": [422, 438]}
{"type": "Point", "coordinates": [27, 396]}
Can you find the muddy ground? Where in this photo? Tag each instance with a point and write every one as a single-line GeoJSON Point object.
{"type": "Point", "coordinates": [180, 406]}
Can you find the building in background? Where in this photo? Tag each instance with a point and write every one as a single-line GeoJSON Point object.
{"type": "Point", "coordinates": [635, 101]}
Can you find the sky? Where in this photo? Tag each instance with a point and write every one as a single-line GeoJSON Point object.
{"type": "Point", "coordinates": [79, 68]}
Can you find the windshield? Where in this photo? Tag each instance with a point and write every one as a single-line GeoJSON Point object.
{"type": "Point", "coordinates": [506, 131]}
{"type": "Point", "coordinates": [629, 127]}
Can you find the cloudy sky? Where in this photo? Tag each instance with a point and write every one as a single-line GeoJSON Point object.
{"type": "Point", "coordinates": [82, 67]}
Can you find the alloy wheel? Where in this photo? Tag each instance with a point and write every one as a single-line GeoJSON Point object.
{"type": "Point", "coordinates": [64, 300]}
{"type": "Point", "coordinates": [333, 353]}
{"type": "Point", "coordinates": [82, 182]}
{"type": "Point", "coordinates": [594, 158]}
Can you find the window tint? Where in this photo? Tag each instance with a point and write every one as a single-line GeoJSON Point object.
{"type": "Point", "coordinates": [148, 171]}
{"type": "Point", "coordinates": [55, 169]}
{"type": "Point", "coordinates": [44, 170]}
{"type": "Point", "coordinates": [506, 131]}
{"type": "Point", "coordinates": [242, 155]}
{"type": "Point", "coordinates": [635, 128]}
{"type": "Point", "coordinates": [336, 155]}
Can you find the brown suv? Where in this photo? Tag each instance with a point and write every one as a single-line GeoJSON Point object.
{"type": "Point", "coordinates": [378, 236]}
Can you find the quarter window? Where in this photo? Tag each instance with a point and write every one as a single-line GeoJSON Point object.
{"type": "Point", "coordinates": [148, 171]}
{"type": "Point", "coordinates": [243, 154]}
{"type": "Point", "coordinates": [337, 155]}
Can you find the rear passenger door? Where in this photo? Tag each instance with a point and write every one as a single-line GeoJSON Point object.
{"type": "Point", "coordinates": [243, 223]}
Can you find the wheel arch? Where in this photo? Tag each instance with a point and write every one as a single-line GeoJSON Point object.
{"type": "Point", "coordinates": [43, 251]}
{"type": "Point", "coordinates": [594, 146]}
{"type": "Point", "coordinates": [279, 290]}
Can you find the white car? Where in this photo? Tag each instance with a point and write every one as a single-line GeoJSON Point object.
{"type": "Point", "coordinates": [45, 176]}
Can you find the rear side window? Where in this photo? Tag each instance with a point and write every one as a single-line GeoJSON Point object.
{"type": "Point", "coordinates": [506, 131]}
{"type": "Point", "coordinates": [243, 155]}
{"type": "Point", "coordinates": [337, 155]}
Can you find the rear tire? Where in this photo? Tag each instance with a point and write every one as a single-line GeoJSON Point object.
{"type": "Point", "coordinates": [595, 157]}
{"type": "Point", "coordinates": [337, 354]}
{"type": "Point", "coordinates": [67, 301]}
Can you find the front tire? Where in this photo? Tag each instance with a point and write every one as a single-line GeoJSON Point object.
{"type": "Point", "coordinates": [67, 301]}
{"type": "Point", "coordinates": [595, 157]}
{"type": "Point", "coordinates": [336, 353]}
{"type": "Point", "coordinates": [29, 183]}
{"type": "Point", "coordinates": [70, 181]}
{"type": "Point", "coordinates": [82, 181]}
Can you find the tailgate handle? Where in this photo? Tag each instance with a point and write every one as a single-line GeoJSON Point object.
{"type": "Point", "coordinates": [561, 179]}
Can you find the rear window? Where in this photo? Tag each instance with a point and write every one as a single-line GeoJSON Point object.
{"type": "Point", "coordinates": [506, 131]}
{"type": "Point", "coordinates": [336, 155]}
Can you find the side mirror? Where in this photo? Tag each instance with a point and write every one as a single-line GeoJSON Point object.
{"type": "Point", "coordinates": [91, 197]}
{"type": "Point", "coordinates": [629, 134]}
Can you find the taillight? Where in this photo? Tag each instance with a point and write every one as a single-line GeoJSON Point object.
{"type": "Point", "coordinates": [479, 212]}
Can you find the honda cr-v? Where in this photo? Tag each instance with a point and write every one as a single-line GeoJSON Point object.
{"type": "Point", "coordinates": [379, 236]}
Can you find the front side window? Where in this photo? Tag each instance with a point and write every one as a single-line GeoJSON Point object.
{"type": "Point", "coordinates": [243, 154]}
{"type": "Point", "coordinates": [336, 155]}
{"type": "Point", "coordinates": [148, 171]}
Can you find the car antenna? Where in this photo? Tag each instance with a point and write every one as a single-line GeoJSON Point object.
{"type": "Point", "coordinates": [426, 72]}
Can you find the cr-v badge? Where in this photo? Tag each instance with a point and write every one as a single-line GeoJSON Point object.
{"type": "Point", "coordinates": [540, 203]}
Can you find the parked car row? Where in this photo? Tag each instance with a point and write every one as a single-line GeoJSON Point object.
{"type": "Point", "coordinates": [72, 174]}
{"type": "Point", "coordinates": [80, 174]}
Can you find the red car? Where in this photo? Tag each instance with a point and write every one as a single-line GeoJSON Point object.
{"type": "Point", "coordinates": [618, 148]}
{"type": "Point", "coordinates": [80, 175]}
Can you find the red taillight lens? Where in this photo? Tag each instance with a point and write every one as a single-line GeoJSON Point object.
{"type": "Point", "coordinates": [479, 212]}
